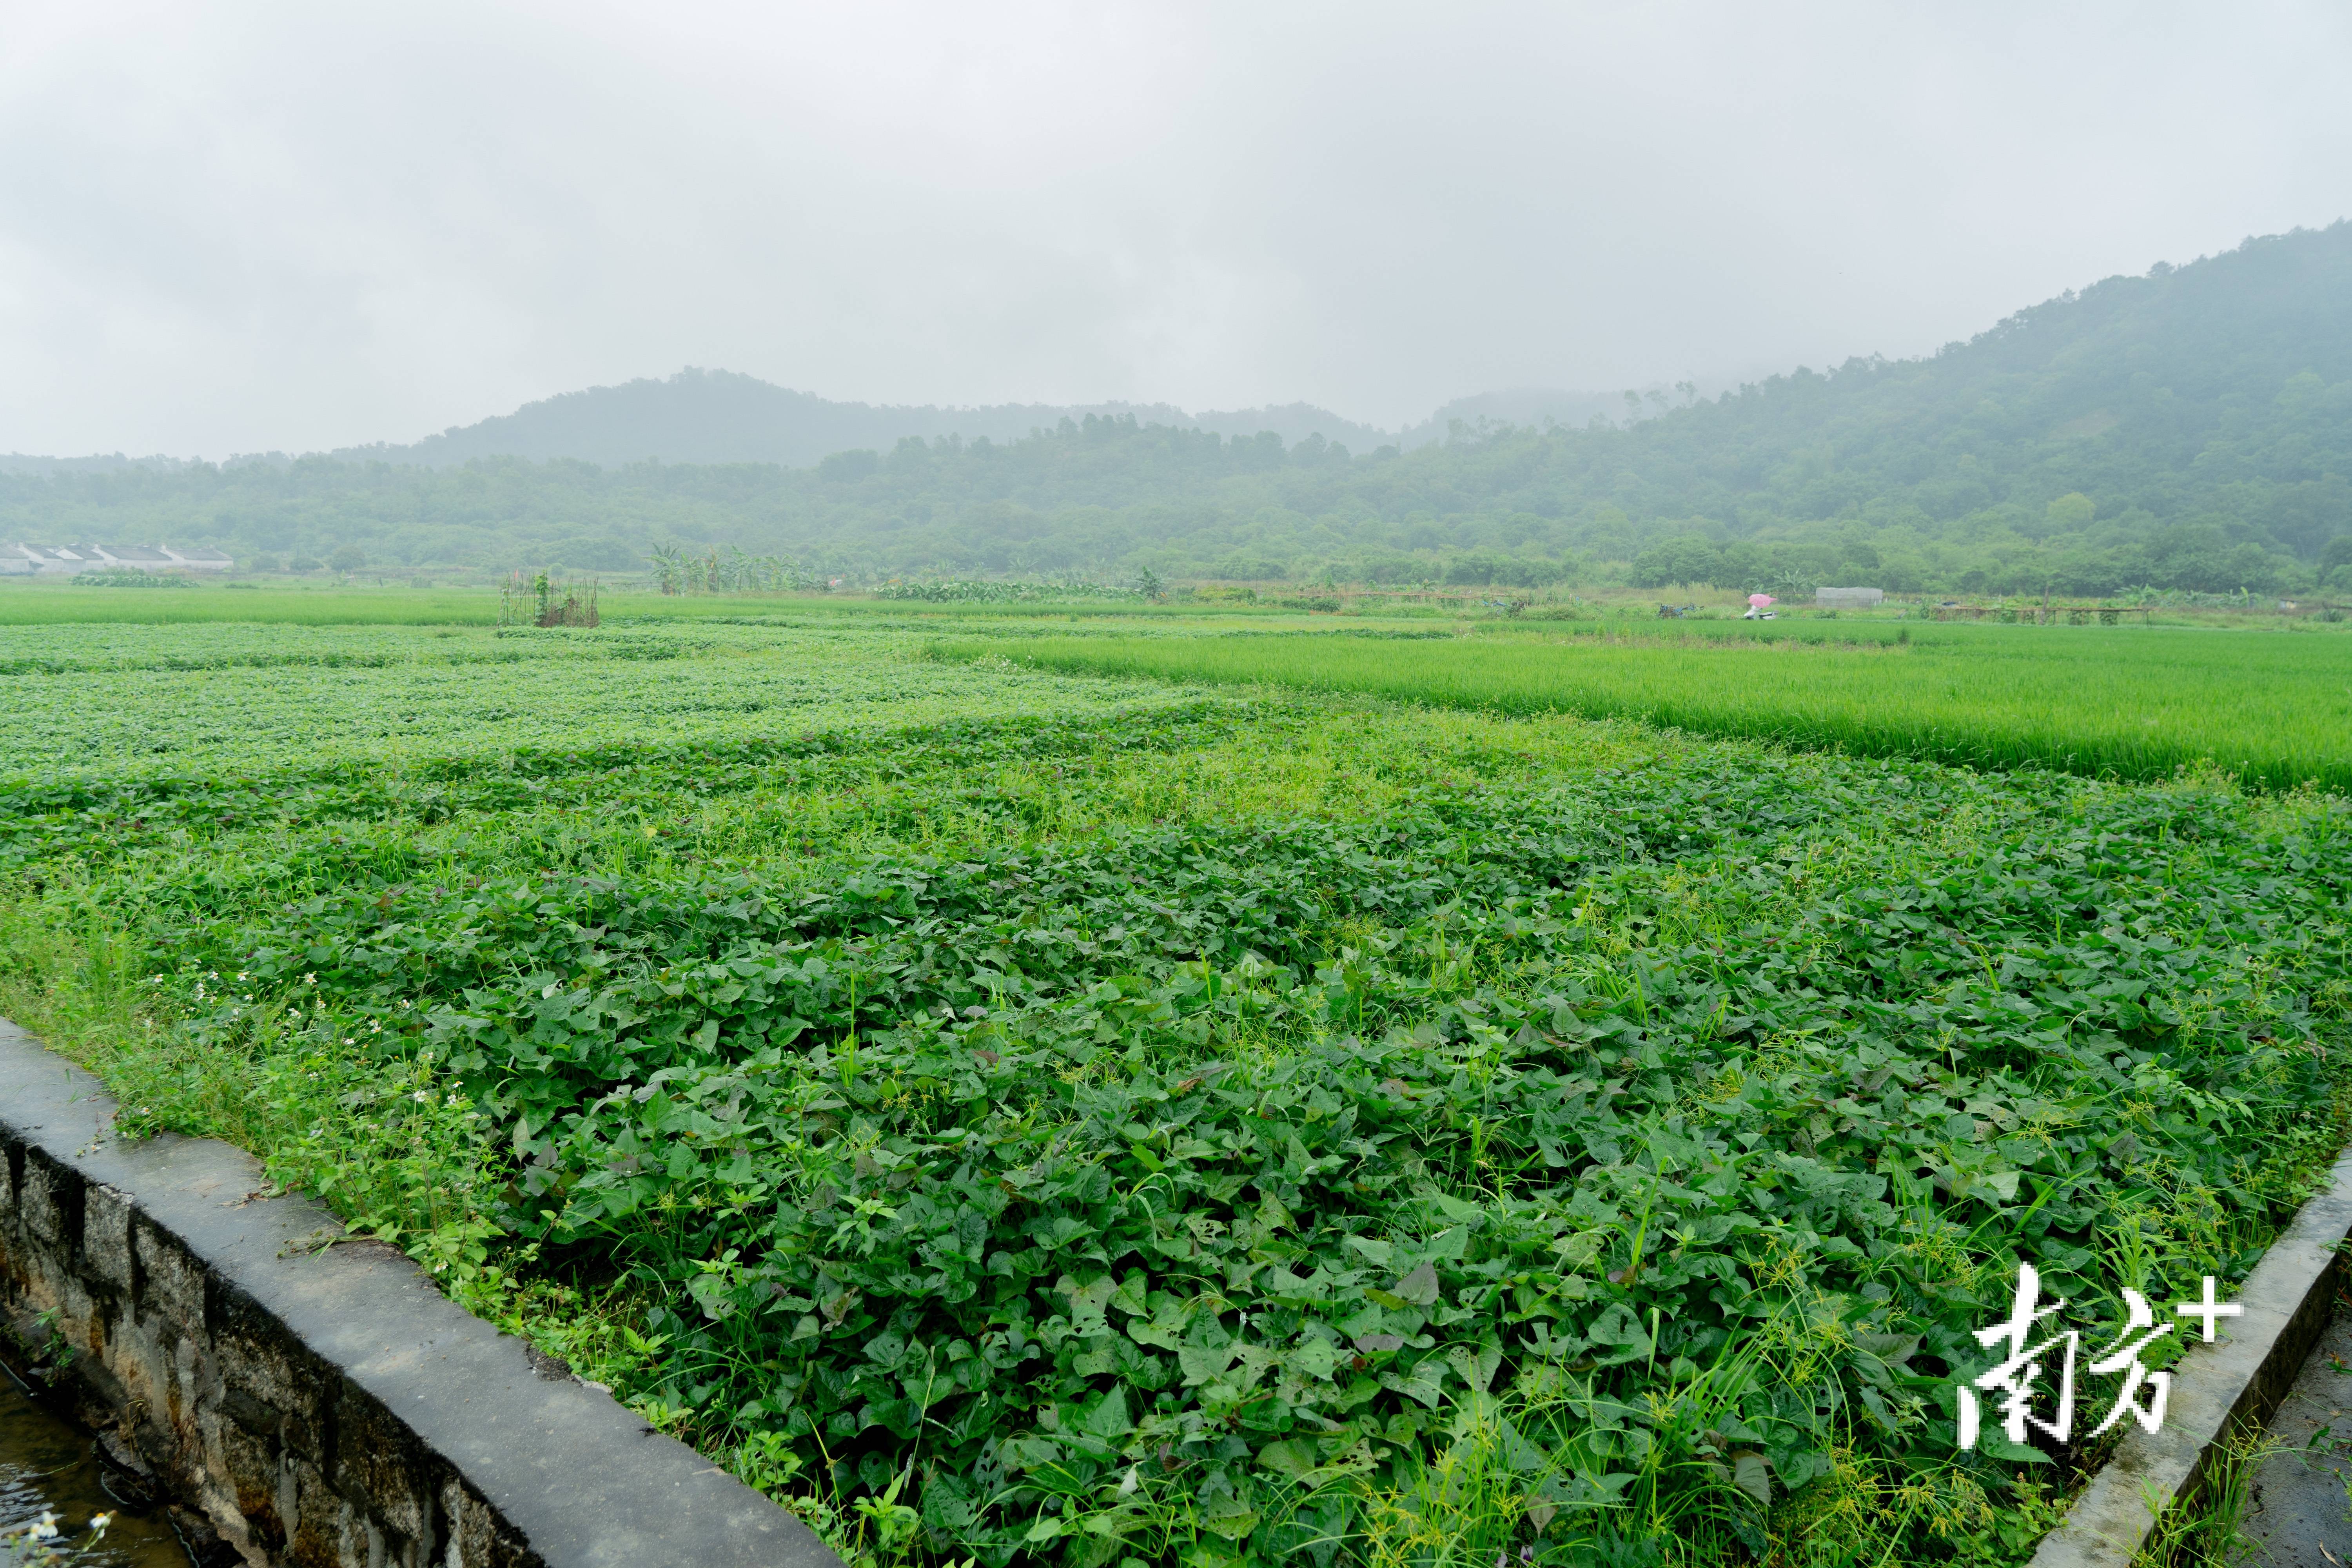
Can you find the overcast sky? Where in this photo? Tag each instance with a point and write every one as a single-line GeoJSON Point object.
{"type": "Point", "coordinates": [245, 227]}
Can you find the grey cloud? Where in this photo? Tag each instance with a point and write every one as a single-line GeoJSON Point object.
{"type": "Point", "coordinates": [286, 227]}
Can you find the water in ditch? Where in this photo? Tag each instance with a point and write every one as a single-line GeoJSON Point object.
{"type": "Point", "coordinates": [49, 1465]}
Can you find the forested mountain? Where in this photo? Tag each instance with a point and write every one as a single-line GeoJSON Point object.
{"type": "Point", "coordinates": [718, 416]}
{"type": "Point", "coordinates": [2191, 429]}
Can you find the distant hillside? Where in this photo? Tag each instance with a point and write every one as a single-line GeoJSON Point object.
{"type": "Point", "coordinates": [718, 416]}
{"type": "Point", "coordinates": [1542, 408]}
{"type": "Point", "coordinates": [2189, 429]}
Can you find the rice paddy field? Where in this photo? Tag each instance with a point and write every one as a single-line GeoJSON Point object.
{"type": "Point", "coordinates": [2273, 709]}
{"type": "Point", "coordinates": [1175, 1095]}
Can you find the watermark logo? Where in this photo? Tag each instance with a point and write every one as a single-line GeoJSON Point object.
{"type": "Point", "coordinates": [2018, 1378]}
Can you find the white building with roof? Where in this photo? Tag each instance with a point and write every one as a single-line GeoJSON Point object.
{"type": "Point", "coordinates": [63, 560]}
{"type": "Point", "coordinates": [1849, 598]}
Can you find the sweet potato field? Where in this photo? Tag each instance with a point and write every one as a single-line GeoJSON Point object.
{"type": "Point", "coordinates": [1023, 1117]}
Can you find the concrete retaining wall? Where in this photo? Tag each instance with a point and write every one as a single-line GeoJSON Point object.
{"type": "Point", "coordinates": [322, 1404]}
{"type": "Point", "coordinates": [2219, 1392]}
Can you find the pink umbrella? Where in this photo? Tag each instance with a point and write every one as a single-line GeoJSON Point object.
{"type": "Point", "coordinates": [1758, 601]}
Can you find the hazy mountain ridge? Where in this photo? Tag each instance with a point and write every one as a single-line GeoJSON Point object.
{"type": "Point", "coordinates": [2190, 428]}
{"type": "Point", "coordinates": [721, 416]}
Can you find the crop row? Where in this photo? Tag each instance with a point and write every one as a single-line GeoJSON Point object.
{"type": "Point", "coordinates": [241, 707]}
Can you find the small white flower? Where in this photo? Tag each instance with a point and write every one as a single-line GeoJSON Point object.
{"type": "Point", "coordinates": [43, 1528]}
{"type": "Point", "coordinates": [422, 1097]}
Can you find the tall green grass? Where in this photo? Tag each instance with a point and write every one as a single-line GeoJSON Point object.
{"type": "Point", "coordinates": [2274, 710]}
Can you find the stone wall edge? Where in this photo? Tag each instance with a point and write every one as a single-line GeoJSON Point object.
{"type": "Point", "coordinates": [316, 1398]}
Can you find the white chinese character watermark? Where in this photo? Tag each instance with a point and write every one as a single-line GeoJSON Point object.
{"type": "Point", "coordinates": [2209, 1309]}
{"type": "Point", "coordinates": [2124, 1357]}
{"type": "Point", "coordinates": [2017, 1377]}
